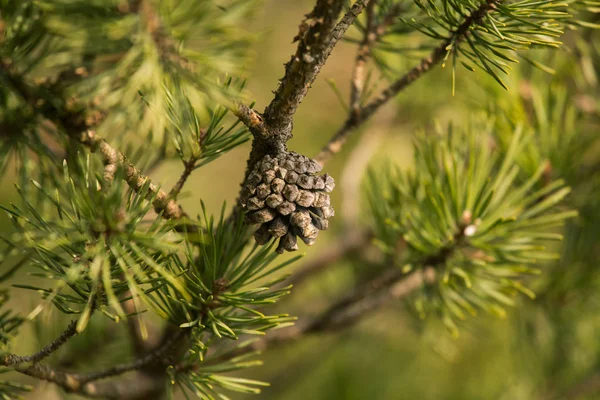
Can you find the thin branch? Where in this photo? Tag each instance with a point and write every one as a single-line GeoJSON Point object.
{"type": "Point", "coordinates": [343, 314]}
{"type": "Point", "coordinates": [364, 50]}
{"type": "Point", "coordinates": [249, 117]}
{"type": "Point", "coordinates": [114, 159]}
{"type": "Point", "coordinates": [356, 119]}
{"type": "Point", "coordinates": [313, 49]}
{"type": "Point", "coordinates": [141, 387]}
{"type": "Point", "coordinates": [152, 357]}
{"type": "Point", "coordinates": [13, 359]}
{"type": "Point", "coordinates": [84, 383]}
{"type": "Point", "coordinates": [273, 128]}
{"type": "Point", "coordinates": [68, 381]}
{"type": "Point", "coordinates": [75, 126]}
{"type": "Point", "coordinates": [337, 318]}
{"type": "Point", "coordinates": [188, 168]}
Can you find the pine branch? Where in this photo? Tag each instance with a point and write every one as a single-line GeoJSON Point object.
{"type": "Point", "coordinates": [164, 43]}
{"type": "Point", "coordinates": [392, 284]}
{"type": "Point", "coordinates": [364, 50]}
{"type": "Point", "coordinates": [343, 314]}
{"type": "Point", "coordinates": [13, 359]}
{"type": "Point", "coordinates": [114, 159]}
{"type": "Point", "coordinates": [84, 383]}
{"type": "Point", "coordinates": [151, 357]}
{"type": "Point", "coordinates": [139, 388]}
{"type": "Point", "coordinates": [316, 41]}
{"type": "Point", "coordinates": [340, 318]}
{"type": "Point", "coordinates": [357, 118]}
{"type": "Point", "coordinates": [76, 127]}
{"type": "Point", "coordinates": [68, 381]}
{"type": "Point", "coordinates": [187, 171]}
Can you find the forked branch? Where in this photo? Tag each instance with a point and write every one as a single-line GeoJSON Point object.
{"type": "Point", "coordinates": [362, 114]}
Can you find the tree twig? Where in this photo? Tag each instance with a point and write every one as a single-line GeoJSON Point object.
{"type": "Point", "coordinates": [315, 43]}
{"type": "Point", "coordinates": [75, 126]}
{"type": "Point", "coordinates": [364, 50]}
{"type": "Point", "coordinates": [188, 168]}
{"type": "Point", "coordinates": [153, 356]}
{"type": "Point", "coordinates": [84, 383]}
{"type": "Point", "coordinates": [114, 159]}
{"type": "Point", "coordinates": [358, 117]}
{"type": "Point", "coordinates": [13, 359]}
{"type": "Point", "coordinates": [343, 314]}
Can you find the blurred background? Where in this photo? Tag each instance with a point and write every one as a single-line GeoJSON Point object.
{"type": "Point", "coordinates": [539, 351]}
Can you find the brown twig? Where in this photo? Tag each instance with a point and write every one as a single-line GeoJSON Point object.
{"type": "Point", "coordinates": [76, 126]}
{"type": "Point", "coordinates": [315, 43]}
{"type": "Point", "coordinates": [249, 117]}
{"type": "Point", "coordinates": [84, 383]}
{"type": "Point", "coordinates": [188, 168]}
{"type": "Point", "coordinates": [357, 118]}
{"type": "Point", "coordinates": [314, 48]}
{"type": "Point", "coordinates": [392, 285]}
{"type": "Point", "coordinates": [341, 317]}
{"type": "Point", "coordinates": [13, 359]}
{"type": "Point", "coordinates": [364, 50]}
{"type": "Point", "coordinates": [114, 159]}
{"type": "Point", "coordinates": [139, 388]}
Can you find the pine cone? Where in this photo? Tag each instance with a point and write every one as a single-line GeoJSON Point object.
{"type": "Point", "coordinates": [287, 199]}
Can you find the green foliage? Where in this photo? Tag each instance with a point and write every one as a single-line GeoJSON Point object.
{"type": "Point", "coordinates": [495, 34]}
{"type": "Point", "coordinates": [108, 51]}
{"type": "Point", "coordinates": [9, 323]}
{"type": "Point", "coordinates": [92, 238]}
{"type": "Point", "coordinates": [194, 142]}
{"type": "Point", "coordinates": [206, 382]}
{"type": "Point", "coordinates": [485, 206]}
{"type": "Point", "coordinates": [463, 212]}
{"type": "Point", "coordinates": [12, 390]}
{"type": "Point", "coordinates": [219, 275]}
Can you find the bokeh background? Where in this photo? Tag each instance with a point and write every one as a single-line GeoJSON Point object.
{"type": "Point", "coordinates": [390, 354]}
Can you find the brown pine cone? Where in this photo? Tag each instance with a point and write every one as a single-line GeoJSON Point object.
{"type": "Point", "coordinates": [287, 199]}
